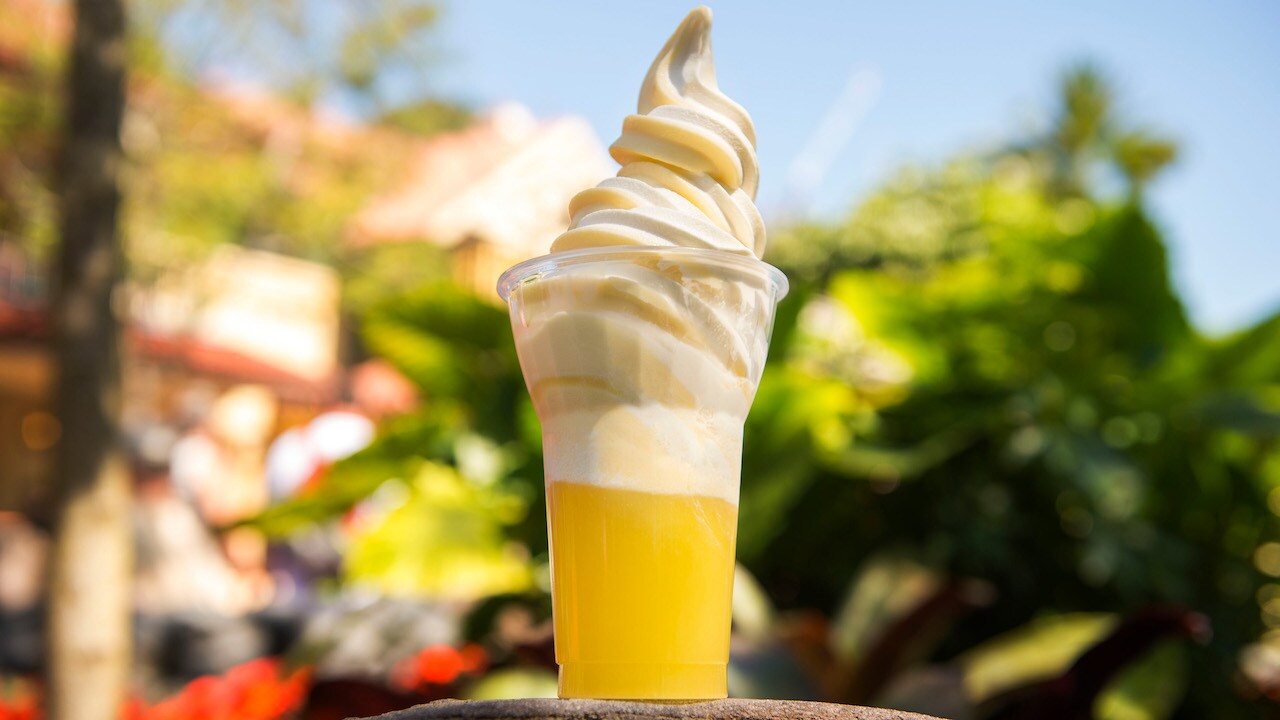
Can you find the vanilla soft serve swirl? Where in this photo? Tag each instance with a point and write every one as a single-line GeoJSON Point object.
{"type": "Point", "coordinates": [689, 167]}
{"type": "Point", "coordinates": [642, 367]}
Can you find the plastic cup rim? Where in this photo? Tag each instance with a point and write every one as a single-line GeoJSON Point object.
{"type": "Point", "coordinates": [537, 267]}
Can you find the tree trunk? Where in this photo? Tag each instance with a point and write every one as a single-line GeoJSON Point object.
{"type": "Point", "coordinates": [89, 638]}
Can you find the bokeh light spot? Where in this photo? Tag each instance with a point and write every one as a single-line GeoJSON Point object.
{"type": "Point", "coordinates": [1059, 336]}
{"type": "Point", "coordinates": [1120, 432]}
{"type": "Point", "coordinates": [1273, 500]}
{"type": "Point", "coordinates": [40, 430]}
{"type": "Point", "coordinates": [1074, 216]}
{"type": "Point", "coordinates": [1267, 559]}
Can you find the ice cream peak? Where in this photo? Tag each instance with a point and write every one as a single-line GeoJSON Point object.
{"type": "Point", "coordinates": [689, 168]}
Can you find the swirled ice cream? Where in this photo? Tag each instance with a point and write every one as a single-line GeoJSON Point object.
{"type": "Point", "coordinates": [688, 156]}
{"type": "Point", "coordinates": [642, 369]}
{"type": "Point", "coordinates": [642, 337]}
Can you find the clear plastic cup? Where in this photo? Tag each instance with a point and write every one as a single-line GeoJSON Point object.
{"type": "Point", "coordinates": [642, 364]}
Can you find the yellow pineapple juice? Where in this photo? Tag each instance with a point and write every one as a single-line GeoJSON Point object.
{"type": "Point", "coordinates": [642, 589]}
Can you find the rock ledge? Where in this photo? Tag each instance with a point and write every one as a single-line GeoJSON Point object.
{"type": "Point", "coordinates": [544, 709]}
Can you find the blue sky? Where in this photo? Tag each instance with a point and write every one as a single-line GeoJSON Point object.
{"type": "Point", "coordinates": [937, 78]}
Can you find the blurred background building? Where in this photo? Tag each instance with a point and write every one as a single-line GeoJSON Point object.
{"type": "Point", "coordinates": [492, 194]}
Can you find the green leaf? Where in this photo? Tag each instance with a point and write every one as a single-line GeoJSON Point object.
{"type": "Point", "coordinates": [866, 460]}
{"type": "Point", "coordinates": [885, 587]}
{"type": "Point", "coordinates": [1149, 689]}
{"type": "Point", "coordinates": [345, 484]}
{"type": "Point", "coordinates": [439, 536]}
{"type": "Point", "coordinates": [1041, 649]}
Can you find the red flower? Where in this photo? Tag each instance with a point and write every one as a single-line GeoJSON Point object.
{"type": "Point", "coordinates": [439, 664]}
{"type": "Point", "coordinates": [255, 690]}
{"type": "Point", "coordinates": [22, 707]}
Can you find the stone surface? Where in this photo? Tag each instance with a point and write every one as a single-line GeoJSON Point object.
{"type": "Point", "coordinates": [544, 709]}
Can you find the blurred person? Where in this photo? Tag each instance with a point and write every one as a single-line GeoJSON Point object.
{"type": "Point", "coordinates": [195, 462]}
{"type": "Point", "coordinates": [241, 421]}
{"type": "Point", "coordinates": [180, 565]}
{"type": "Point", "coordinates": [24, 552]}
{"type": "Point", "coordinates": [24, 559]}
{"type": "Point", "coordinates": [217, 474]}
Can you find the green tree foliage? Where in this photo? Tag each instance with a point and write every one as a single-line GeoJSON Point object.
{"type": "Point", "coordinates": [461, 521]}
{"type": "Point", "coordinates": [1058, 437]}
{"type": "Point", "coordinates": [1060, 428]}
{"type": "Point", "coordinates": [427, 117]}
{"type": "Point", "coordinates": [382, 273]}
{"type": "Point", "coordinates": [206, 168]}
{"type": "Point", "coordinates": [30, 101]}
{"type": "Point", "coordinates": [285, 176]}
{"type": "Point", "coordinates": [202, 177]}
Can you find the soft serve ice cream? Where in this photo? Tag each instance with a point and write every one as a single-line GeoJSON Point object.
{"type": "Point", "coordinates": [642, 338]}
{"type": "Point", "coordinates": [689, 169]}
